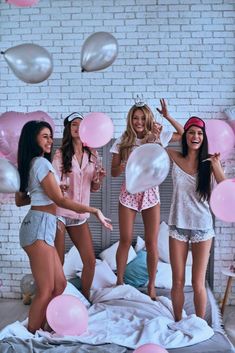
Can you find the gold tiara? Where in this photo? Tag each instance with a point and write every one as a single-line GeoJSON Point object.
{"type": "Point", "coordinates": [139, 101]}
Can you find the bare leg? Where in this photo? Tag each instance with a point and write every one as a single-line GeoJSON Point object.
{"type": "Point", "coordinates": [151, 219]}
{"type": "Point", "coordinates": [82, 239]}
{"type": "Point", "coordinates": [126, 222]}
{"type": "Point", "coordinates": [201, 254]}
{"type": "Point", "coordinates": [59, 240]}
{"type": "Point", "coordinates": [178, 257]}
{"type": "Point", "coordinates": [49, 278]}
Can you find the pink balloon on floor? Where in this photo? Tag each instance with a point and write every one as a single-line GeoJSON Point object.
{"type": "Point", "coordinates": [67, 315]}
{"type": "Point", "coordinates": [150, 348]}
{"type": "Point", "coordinates": [11, 124]}
{"type": "Point", "coordinates": [223, 200]}
{"type": "Point", "coordinates": [220, 136]}
{"type": "Point", "coordinates": [96, 130]}
{"type": "Point", "coordinates": [22, 3]}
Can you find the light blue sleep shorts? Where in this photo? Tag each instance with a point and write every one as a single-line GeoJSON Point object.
{"type": "Point", "coordinates": [193, 235]}
{"type": "Point", "coordinates": [38, 225]}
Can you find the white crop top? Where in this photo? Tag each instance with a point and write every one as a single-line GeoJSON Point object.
{"type": "Point", "coordinates": [164, 139]}
{"type": "Point", "coordinates": [39, 169]}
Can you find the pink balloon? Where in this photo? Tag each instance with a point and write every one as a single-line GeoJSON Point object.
{"type": "Point", "coordinates": [150, 348]}
{"type": "Point", "coordinates": [11, 124]}
{"type": "Point", "coordinates": [223, 200]}
{"type": "Point", "coordinates": [22, 3]}
{"type": "Point", "coordinates": [221, 137]}
{"type": "Point", "coordinates": [67, 315]}
{"type": "Point", "coordinates": [232, 124]}
{"type": "Point", "coordinates": [96, 130]}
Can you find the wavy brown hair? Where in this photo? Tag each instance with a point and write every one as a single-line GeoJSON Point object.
{"type": "Point", "coordinates": [67, 150]}
{"type": "Point", "coordinates": [128, 138]}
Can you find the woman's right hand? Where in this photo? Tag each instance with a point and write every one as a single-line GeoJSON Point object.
{"type": "Point", "coordinates": [104, 220]}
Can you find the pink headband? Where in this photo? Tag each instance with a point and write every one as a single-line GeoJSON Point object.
{"type": "Point", "coordinates": [194, 121]}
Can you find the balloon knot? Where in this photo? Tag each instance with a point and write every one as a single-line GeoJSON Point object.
{"type": "Point", "coordinates": [2, 52]}
{"type": "Point", "coordinates": [82, 70]}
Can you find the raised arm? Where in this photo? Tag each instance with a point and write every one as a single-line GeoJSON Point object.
{"type": "Point", "coordinates": [178, 127]}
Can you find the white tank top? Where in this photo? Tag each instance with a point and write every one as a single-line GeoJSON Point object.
{"type": "Point", "coordinates": [187, 211]}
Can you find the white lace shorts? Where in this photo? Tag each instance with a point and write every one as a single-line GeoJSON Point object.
{"type": "Point", "coordinates": [193, 235]}
{"type": "Point", "coordinates": [69, 222]}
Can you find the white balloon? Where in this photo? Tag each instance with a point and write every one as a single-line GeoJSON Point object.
{"type": "Point", "coordinates": [147, 166]}
{"type": "Point", "coordinates": [31, 63]}
{"type": "Point", "coordinates": [98, 51]}
{"type": "Point", "coordinates": [9, 177]}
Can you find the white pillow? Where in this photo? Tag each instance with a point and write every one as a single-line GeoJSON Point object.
{"type": "Point", "coordinates": [140, 244]}
{"type": "Point", "coordinates": [72, 263]}
{"type": "Point", "coordinates": [109, 255]}
{"type": "Point", "coordinates": [103, 277]}
{"type": "Point", "coordinates": [72, 290]}
{"type": "Point", "coordinates": [164, 275]}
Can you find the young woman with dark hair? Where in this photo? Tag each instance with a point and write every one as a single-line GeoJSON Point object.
{"type": "Point", "coordinates": [190, 219]}
{"type": "Point", "coordinates": [78, 165]}
{"type": "Point", "coordinates": [40, 188]}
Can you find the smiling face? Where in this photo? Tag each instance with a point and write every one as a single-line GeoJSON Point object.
{"type": "Point", "coordinates": [194, 137]}
{"type": "Point", "coordinates": [74, 128]}
{"type": "Point", "coordinates": [44, 140]}
{"type": "Point", "coordinates": [138, 123]}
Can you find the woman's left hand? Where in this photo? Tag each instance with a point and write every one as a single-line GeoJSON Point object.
{"type": "Point", "coordinates": [163, 111]}
{"type": "Point", "coordinates": [215, 159]}
{"type": "Point", "coordinates": [104, 220]}
{"type": "Point", "coordinates": [100, 176]}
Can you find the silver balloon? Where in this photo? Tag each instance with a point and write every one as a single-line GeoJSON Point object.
{"type": "Point", "coordinates": [29, 62]}
{"type": "Point", "coordinates": [27, 284]}
{"type": "Point", "coordinates": [147, 166]}
{"type": "Point", "coordinates": [98, 51]}
{"type": "Point", "coordinates": [9, 177]}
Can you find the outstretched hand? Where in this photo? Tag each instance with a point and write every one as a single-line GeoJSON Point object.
{"type": "Point", "coordinates": [215, 159]}
{"type": "Point", "coordinates": [104, 220]}
{"type": "Point", "coordinates": [163, 110]}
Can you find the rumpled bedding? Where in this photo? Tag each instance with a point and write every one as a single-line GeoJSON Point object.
{"type": "Point", "coordinates": [124, 316]}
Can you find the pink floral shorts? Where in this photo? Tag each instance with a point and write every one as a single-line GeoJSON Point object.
{"type": "Point", "coordinates": [141, 200]}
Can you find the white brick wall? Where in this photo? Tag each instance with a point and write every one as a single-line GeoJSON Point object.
{"type": "Point", "coordinates": [178, 49]}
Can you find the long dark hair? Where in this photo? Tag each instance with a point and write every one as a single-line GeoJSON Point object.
{"type": "Point", "coordinates": [28, 148]}
{"type": "Point", "coordinates": [67, 149]}
{"type": "Point", "coordinates": [203, 185]}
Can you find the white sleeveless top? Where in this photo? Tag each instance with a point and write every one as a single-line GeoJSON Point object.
{"type": "Point", "coordinates": [187, 211]}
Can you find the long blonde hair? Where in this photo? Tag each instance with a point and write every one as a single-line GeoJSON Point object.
{"type": "Point", "coordinates": [129, 136]}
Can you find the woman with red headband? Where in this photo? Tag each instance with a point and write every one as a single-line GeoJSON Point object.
{"type": "Point", "coordinates": [190, 219]}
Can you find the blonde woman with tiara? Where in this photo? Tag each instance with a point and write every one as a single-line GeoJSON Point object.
{"type": "Point", "coordinates": [141, 128]}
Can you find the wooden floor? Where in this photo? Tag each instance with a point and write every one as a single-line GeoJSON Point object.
{"type": "Point", "coordinates": [12, 310]}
